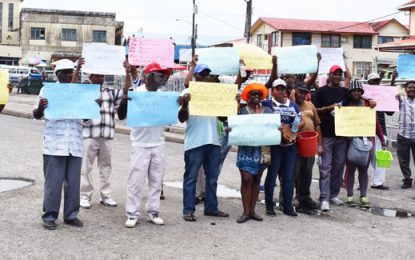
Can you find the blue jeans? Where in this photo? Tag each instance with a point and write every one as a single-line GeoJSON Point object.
{"type": "Point", "coordinates": [283, 159]}
{"type": "Point", "coordinates": [208, 156]}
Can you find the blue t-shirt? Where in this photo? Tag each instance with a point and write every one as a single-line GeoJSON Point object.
{"type": "Point", "coordinates": [287, 111]}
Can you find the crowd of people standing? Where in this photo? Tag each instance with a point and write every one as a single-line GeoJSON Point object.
{"type": "Point", "coordinates": [301, 104]}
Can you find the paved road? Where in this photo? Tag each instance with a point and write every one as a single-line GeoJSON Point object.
{"type": "Point", "coordinates": [342, 233]}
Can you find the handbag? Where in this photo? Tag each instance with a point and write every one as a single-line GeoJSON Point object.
{"type": "Point", "coordinates": [359, 151]}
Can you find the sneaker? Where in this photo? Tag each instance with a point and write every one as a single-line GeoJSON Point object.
{"type": "Point", "coordinates": [155, 219]}
{"type": "Point", "coordinates": [364, 202]}
{"type": "Point", "coordinates": [108, 201]}
{"type": "Point", "coordinates": [325, 206]}
{"type": "Point", "coordinates": [336, 201]}
{"type": "Point", "coordinates": [350, 201]}
{"type": "Point", "coordinates": [85, 203]}
{"type": "Point", "coordinates": [131, 222]}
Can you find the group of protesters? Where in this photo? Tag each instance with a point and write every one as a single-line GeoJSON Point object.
{"type": "Point", "coordinates": [302, 105]}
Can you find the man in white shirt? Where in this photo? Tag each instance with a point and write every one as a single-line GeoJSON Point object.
{"type": "Point", "coordinates": [62, 158]}
{"type": "Point", "coordinates": [147, 159]}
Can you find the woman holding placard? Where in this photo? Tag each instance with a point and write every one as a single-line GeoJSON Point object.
{"type": "Point", "coordinates": [252, 160]}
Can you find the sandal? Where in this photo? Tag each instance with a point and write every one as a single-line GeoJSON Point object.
{"type": "Point", "coordinates": [190, 217]}
{"type": "Point", "coordinates": [217, 214]}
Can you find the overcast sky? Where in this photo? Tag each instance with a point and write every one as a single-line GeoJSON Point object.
{"type": "Point", "coordinates": [223, 17]}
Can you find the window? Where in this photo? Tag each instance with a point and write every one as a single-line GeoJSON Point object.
{"type": "Point", "coordinates": [362, 41]}
{"type": "Point", "coordinates": [259, 40]}
{"type": "Point", "coordinates": [99, 36]}
{"type": "Point", "coordinates": [37, 33]}
{"type": "Point", "coordinates": [362, 69]}
{"type": "Point", "coordinates": [301, 39]}
{"type": "Point", "coordinates": [275, 39]}
{"type": "Point", "coordinates": [68, 35]}
{"type": "Point", "coordinates": [330, 40]}
{"type": "Point", "coordinates": [385, 39]}
{"type": "Point", "coordinates": [10, 22]}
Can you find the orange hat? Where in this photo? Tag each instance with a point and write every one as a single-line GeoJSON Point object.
{"type": "Point", "coordinates": [251, 87]}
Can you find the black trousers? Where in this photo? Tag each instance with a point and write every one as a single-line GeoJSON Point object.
{"type": "Point", "coordinates": [405, 146]}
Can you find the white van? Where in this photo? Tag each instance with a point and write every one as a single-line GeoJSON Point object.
{"type": "Point", "coordinates": [16, 73]}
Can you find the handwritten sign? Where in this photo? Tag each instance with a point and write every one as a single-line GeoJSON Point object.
{"type": "Point", "coordinates": [4, 91]}
{"type": "Point", "coordinates": [254, 57]}
{"type": "Point", "coordinates": [384, 97]}
{"type": "Point", "coordinates": [330, 57]}
{"type": "Point", "coordinates": [213, 99]}
{"type": "Point", "coordinates": [104, 59]}
{"type": "Point", "coordinates": [72, 101]}
{"type": "Point", "coordinates": [355, 121]}
{"type": "Point", "coordinates": [143, 51]}
{"type": "Point", "coordinates": [322, 81]}
{"type": "Point", "coordinates": [185, 55]}
{"type": "Point", "coordinates": [296, 59]}
{"type": "Point", "coordinates": [221, 61]}
{"type": "Point", "coordinates": [406, 66]}
{"type": "Point", "coordinates": [152, 108]}
{"type": "Point", "coordinates": [255, 130]}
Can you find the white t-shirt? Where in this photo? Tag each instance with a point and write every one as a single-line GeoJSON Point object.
{"type": "Point", "coordinates": [149, 136]}
{"type": "Point", "coordinates": [200, 130]}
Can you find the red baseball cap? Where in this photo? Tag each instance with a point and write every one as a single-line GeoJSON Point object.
{"type": "Point", "coordinates": [155, 67]}
{"type": "Point", "coordinates": [334, 68]}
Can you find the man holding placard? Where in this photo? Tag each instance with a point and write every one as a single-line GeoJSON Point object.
{"type": "Point", "coordinates": [62, 158]}
{"type": "Point", "coordinates": [98, 134]}
{"type": "Point", "coordinates": [148, 159]}
{"type": "Point", "coordinates": [335, 147]}
{"type": "Point", "coordinates": [406, 135]}
{"type": "Point", "coordinates": [202, 147]}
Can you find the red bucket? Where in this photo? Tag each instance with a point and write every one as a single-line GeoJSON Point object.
{"type": "Point", "coordinates": [307, 142]}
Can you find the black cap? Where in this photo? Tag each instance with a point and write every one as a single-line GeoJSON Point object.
{"type": "Point", "coordinates": [301, 86]}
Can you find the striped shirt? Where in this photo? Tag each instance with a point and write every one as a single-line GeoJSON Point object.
{"type": "Point", "coordinates": [105, 126]}
{"type": "Point", "coordinates": [407, 117]}
{"type": "Point", "coordinates": [61, 137]}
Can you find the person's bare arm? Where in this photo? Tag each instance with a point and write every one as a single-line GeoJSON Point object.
{"type": "Point", "coordinates": [184, 109]}
{"type": "Point", "coordinates": [75, 75]}
{"type": "Point", "coordinates": [312, 79]}
{"type": "Point", "coordinates": [274, 72]}
{"type": "Point", "coordinates": [189, 76]}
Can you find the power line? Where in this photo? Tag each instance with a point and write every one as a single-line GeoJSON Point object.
{"type": "Point", "coordinates": [219, 20]}
{"type": "Point", "coordinates": [341, 28]}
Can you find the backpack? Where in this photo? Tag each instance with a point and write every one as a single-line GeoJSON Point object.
{"type": "Point", "coordinates": [359, 151]}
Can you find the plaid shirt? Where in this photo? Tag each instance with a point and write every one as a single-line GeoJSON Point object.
{"type": "Point", "coordinates": [407, 118]}
{"type": "Point", "coordinates": [104, 127]}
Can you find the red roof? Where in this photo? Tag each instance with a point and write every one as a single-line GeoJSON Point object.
{"type": "Point", "coordinates": [318, 26]}
{"type": "Point", "coordinates": [379, 25]}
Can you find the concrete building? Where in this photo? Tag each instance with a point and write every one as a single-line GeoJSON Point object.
{"type": "Point", "coordinates": [10, 51]}
{"type": "Point", "coordinates": [56, 34]}
{"type": "Point", "coordinates": [357, 39]}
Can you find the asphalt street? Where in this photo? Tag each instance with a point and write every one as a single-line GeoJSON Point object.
{"type": "Point", "coordinates": [346, 233]}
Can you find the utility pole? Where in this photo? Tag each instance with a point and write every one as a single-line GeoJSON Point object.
{"type": "Point", "coordinates": [194, 28]}
{"type": "Point", "coordinates": [248, 20]}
